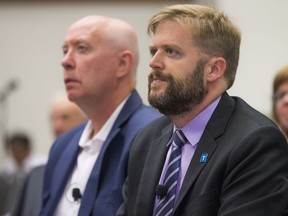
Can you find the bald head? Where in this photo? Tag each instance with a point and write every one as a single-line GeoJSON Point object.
{"type": "Point", "coordinates": [119, 34]}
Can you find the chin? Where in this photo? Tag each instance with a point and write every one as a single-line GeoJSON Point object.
{"type": "Point", "coordinates": [72, 97]}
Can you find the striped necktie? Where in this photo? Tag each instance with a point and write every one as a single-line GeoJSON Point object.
{"type": "Point", "coordinates": [166, 205]}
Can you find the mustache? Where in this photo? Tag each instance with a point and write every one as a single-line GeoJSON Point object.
{"type": "Point", "coordinates": [157, 74]}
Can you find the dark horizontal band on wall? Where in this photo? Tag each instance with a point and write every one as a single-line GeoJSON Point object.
{"type": "Point", "coordinates": [102, 1]}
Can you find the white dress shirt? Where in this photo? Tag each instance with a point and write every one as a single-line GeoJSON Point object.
{"type": "Point", "coordinates": [85, 163]}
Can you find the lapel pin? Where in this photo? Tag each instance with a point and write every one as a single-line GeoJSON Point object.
{"type": "Point", "coordinates": [203, 158]}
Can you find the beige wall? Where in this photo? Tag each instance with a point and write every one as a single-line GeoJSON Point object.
{"type": "Point", "coordinates": [31, 36]}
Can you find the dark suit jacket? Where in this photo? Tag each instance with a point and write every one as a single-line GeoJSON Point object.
{"type": "Point", "coordinates": [102, 195]}
{"type": "Point", "coordinates": [10, 187]}
{"type": "Point", "coordinates": [30, 199]}
{"type": "Point", "coordinates": [245, 175]}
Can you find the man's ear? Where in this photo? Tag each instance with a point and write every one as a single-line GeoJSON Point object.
{"type": "Point", "coordinates": [124, 63]}
{"type": "Point", "coordinates": [215, 68]}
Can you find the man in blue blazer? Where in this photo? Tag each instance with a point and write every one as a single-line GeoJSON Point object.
{"type": "Point", "coordinates": [64, 115]}
{"type": "Point", "coordinates": [87, 166]}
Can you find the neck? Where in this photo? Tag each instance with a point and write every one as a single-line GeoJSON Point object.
{"type": "Point", "coordinates": [183, 119]}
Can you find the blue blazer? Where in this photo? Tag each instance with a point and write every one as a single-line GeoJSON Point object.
{"type": "Point", "coordinates": [102, 195]}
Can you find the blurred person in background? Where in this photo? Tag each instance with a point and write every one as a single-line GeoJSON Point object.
{"type": "Point", "coordinates": [280, 100]}
{"type": "Point", "coordinates": [19, 162]}
{"type": "Point", "coordinates": [87, 166]}
{"type": "Point", "coordinates": [64, 115]}
{"type": "Point", "coordinates": [21, 158]}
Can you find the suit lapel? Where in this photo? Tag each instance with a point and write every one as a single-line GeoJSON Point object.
{"type": "Point", "coordinates": [63, 170]}
{"type": "Point", "coordinates": [152, 171]}
{"type": "Point", "coordinates": [91, 189]}
{"type": "Point", "coordinates": [207, 144]}
{"type": "Point", "coordinates": [92, 185]}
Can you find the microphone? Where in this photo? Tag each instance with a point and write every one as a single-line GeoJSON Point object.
{"type": "Point", "coordinates": [161, 191]}
{"type": "Point", "coordinates": [76, 194]}
{"type": "Point", "coordinates": [11, 86]}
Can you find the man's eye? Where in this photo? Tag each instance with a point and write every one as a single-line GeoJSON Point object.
{"type": "Point", "coordinates": [171, 51]}
{"type": "Point", "coordinates": [279, 96]}
{"type": "Point", "coordinates": [64, 51]}
{"type": "Point", "coordinates": [153, 52]}
{"type": "Point", "coordinates": [82, 48]}
{"type": "Point", "coordinates": [65, 117]}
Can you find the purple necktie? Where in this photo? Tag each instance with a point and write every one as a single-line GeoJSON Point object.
{"type": "Point", "coordinates": [166, 205]}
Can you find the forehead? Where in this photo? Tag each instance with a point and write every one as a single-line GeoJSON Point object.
{"type": "Point", "coordinates": [283, 86]}
{"type": "Point", "coordinates": [172, 32]}
{"type": "Point", "coordinates": [83, 31]}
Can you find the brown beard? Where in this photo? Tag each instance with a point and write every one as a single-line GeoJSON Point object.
{"type": "Point", "coordinates": [180, 96]}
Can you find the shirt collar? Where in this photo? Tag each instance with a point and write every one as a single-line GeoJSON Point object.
{"type": "Point", "coordinates": [194, 129]}
{"type": "Point", "coordinates": [104, 131]}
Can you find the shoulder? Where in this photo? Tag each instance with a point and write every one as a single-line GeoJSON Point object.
{"type": "Point", "coordinates": [145, 114]}
{"type": "Point", "coordinates": [249, 119]}
{"type": "Point", "coordinates": [240, 130]}
{"type": "Point", "coordinates": [37, 171]}
{"type": "Point", "coordinates": [154, 129]}
{"type": "Point", "coordinates": [235, 114]}
{"type": "Point", "coordinates": [69, 135]}
{"type": "Point", "coordinates": [249, 132]}
{"type": "Point", "coordinates": [63, 141]}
